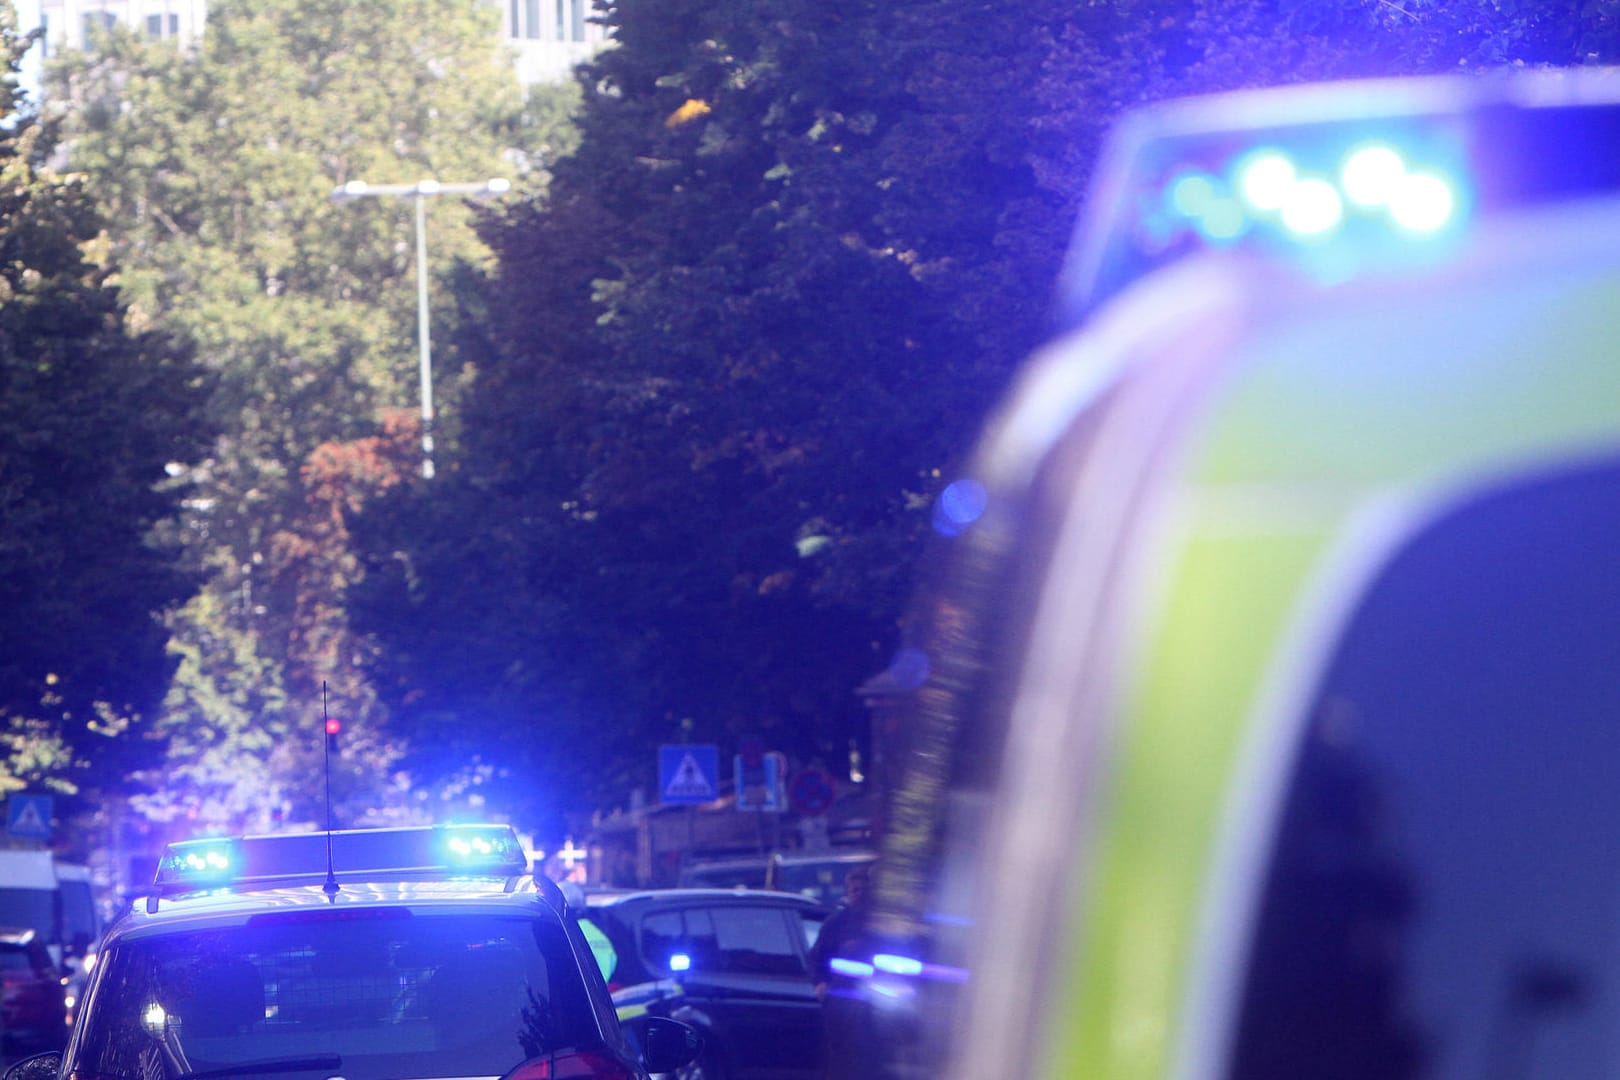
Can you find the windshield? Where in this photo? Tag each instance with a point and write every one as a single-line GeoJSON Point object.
{"type": "Point", "coordinates": [823, 881]}
{"type": "Point", "coordinates": [392, 995]}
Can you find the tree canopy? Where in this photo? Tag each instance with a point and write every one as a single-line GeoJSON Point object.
{"type": "Point", "coordinates": [748, 308]}
{"type": "Point", "coordinates": [95, 416]}
{"type": "Point", "coordinates": [215, 167]}
{"type": "Point", "coordinates": [753, 321]}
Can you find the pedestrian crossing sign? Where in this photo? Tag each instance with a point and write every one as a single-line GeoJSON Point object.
{"type": "Point", "coordinates": [689, 773]}
{"type": "Point", "coordinates": [29, 816]}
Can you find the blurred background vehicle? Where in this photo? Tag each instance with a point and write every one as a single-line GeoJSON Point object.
{"type": "Point", "coordinates": [732, 964]}
{"type": "Point", "coordinates": [1273, 648]}
{"type": "Point", "coordinates": [816, 874]}
{"type": "Point", "coordinates": [747, 872]}
{"type": "Point", "coordinates": [54, 903]}
{"type": "Point", "coordinates": [33, 1012]}
{"type": "Point", "coordinates": [80, 933]}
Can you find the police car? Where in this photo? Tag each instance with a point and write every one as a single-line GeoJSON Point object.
{"type": "Point", "coordinates": [1272, 726]}
{"type": "Point", "coordinates": [363, 954]}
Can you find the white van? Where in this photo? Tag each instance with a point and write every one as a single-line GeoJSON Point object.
{"type": "Point", "coordinates": [54, 899]}
{"type": "Point", "coordinates": [28, 897]}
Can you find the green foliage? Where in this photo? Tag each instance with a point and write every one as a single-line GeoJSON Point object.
{"type": "Point", "coordinates": [215, 167]}
{"type": "Point", "coordinates": [91, 415]}
{"type": "Point", "coordinates": [749, 327]}
{"type": "Point", "coordinates": [745, 320]}
{"type": "Point", "coordinates": [754, 320]}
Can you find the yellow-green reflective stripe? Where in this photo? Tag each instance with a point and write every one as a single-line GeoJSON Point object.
{"type": "Point", "coordinates": [1375, 403]}
{"type": "Point", "coordinates": [1171, 782]}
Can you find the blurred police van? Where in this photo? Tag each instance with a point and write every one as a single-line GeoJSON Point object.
{"type": "Point", "coordinates": [1272, 726]}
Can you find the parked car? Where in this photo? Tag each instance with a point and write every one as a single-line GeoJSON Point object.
{"type": "Point", "coordinates": [732, 964]}
{"type": "Point", "coordinates": [817, 874]}
{"type": "Point", "coordinates": [745, 872]}
{"type": "Point", "coordinates": [369, 954]}
{"type": "Point", "coordinates": [80, 929]}
{"type": "Point", "coordinates": [33, 1007]}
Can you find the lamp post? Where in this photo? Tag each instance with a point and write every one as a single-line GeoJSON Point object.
{"type": "Point", "coordinates": [420, 193]}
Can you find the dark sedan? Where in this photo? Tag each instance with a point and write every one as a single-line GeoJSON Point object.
{"type": "Point", "coordinates": [33, 1004]}
{"type": "Point", "coordinates": [733, 964]}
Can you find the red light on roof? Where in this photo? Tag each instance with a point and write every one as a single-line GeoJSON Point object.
{"type": "Point", "coordinates": [333, 725]}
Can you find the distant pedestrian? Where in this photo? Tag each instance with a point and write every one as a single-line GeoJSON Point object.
{"type": "Point", "coordinates": [843, 1009]}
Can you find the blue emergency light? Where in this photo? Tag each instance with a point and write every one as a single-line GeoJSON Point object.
{"type": "Point", "coordinates": [1289, 197]}
{"type": "Point", "coordinates": [440, 851]}
{"type": "Point", "coordinates": [1338, 180]}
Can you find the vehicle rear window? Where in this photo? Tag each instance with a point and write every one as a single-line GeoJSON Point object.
{"type": "Point", "coordinates": [735, 939]}
{"type": "Point", "coordinates": [415, 996]}
{"type": "Point", "coordinates": [1443, 898]}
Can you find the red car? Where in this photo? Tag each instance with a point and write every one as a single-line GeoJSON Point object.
{"type": "Point", "coordinates": [33, 1003]}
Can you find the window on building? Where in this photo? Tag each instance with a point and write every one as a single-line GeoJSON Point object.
{"type": "Point", "coordinates": [571, 20]}
{"type": "Point", "coordinates": [525, 17]}
{"type": "Point", "coordinates": [162, 26]}
{"type": "Point", "coordinates": [97, 23]}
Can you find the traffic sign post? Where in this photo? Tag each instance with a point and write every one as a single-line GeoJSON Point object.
{"type": "Point", "coordinates": [689, 773]}
{"type": "Point", "coordinates": [29, 816]}
{"type": "Point", "coordinates": [811, 792]}
{"type": "Point", "coordinates": [759, 786]}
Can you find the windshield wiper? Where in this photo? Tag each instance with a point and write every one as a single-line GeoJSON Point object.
{"type": "Point", "coordinates": [270, 1065]}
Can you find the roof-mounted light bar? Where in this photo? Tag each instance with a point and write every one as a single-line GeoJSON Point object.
{"type": "Point", "coordinates": [442, 851]}
{"type": "Point", "coordinates": [1336, 180]}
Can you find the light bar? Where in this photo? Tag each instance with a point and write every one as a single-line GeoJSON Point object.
{"type": "Point", "coordinates": [1338, 181]}
{"type": "Point", "coordinates": [200, 861]}
{"type": "Point", "coordinates": [1302, 194]}
{"type": "Point", "coordinates": [436, 851]}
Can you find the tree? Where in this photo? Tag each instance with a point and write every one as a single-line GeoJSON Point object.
{"type": "Point", "coordinates": [95, 417]}
{"type": "Point", "coordinates": [743, 345]}
{"type": "Point", "coordinates": [215, 168]}
{"type": "Point", "coordinates": [759, 315]}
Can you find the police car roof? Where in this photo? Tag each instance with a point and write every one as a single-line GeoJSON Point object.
{"type": "Point", "coordinates": [520, 896]}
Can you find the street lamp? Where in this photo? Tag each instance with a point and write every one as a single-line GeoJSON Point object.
{"type": "Point", "coordinates": [420, 192]}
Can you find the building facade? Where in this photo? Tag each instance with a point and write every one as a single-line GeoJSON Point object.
{"type": "Point", "coordinates": [74, 24]}
{"type": "Point", "coordinates": [548, 37]}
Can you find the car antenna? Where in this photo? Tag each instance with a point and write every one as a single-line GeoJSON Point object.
{"type": "Point", "coordinates": [330, 888]}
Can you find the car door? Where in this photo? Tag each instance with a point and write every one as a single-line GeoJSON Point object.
{"type": "Point", "coordinates": [748, 975]}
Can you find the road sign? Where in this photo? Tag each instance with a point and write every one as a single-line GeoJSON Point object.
{"type": "Point", "coordinates": [29, 816]}
{"type": "Point", "coordinates": [689, 773]}
{"type": "Point", "coordinates": [811, 791]}
{"type": "Point", "coordinates": [759, 786]}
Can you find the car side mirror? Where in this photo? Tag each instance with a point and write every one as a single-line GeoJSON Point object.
{"type": "Point", "coordinates": [666, 1045]}
{"type": "Point", "coordinates": [38, 1067]}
